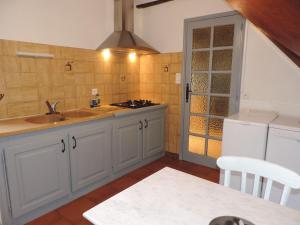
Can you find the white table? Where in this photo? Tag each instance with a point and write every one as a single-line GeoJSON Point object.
{"type": "Point", "coordinates": [171, 197]}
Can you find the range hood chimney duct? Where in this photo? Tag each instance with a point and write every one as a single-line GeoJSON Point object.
{"type": "Point", "coordinates": [123, 39]}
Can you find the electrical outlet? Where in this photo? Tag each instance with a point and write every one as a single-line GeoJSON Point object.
{"type": "Point", "coordinates": [94, 91]}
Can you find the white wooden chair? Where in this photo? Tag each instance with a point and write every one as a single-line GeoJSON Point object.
{"type": "Point", "coordinates": [260, 168]}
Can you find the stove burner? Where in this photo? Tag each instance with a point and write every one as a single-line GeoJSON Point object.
{"type": "Point", "coordinates": [135, 104]}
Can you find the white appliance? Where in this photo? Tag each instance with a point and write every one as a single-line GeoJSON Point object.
{"type": "Point", "coordinates": [284, 149]}
{"type": "Point", "coordinates": [245, 134]}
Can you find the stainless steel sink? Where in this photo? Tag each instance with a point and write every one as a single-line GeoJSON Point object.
{"type": "Point", "coordinates": [43, 119]}
{"type": "Point", "coordinates": [78, 114]}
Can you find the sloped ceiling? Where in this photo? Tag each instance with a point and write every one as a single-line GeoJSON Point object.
{"type": "Point", "coordinates": [277, 19]}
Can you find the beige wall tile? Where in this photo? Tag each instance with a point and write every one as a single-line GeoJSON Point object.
{"type": "Point", "coordinates": [9, 48]}
{"type": "Point", "coordinates": [27, 65]}
{"type": "Point", "coordinates": [29, 80]}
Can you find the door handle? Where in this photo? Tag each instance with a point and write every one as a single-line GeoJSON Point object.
{"type": "Point", "coordinates": [187, 92]}
{"type": "Point", "coordinates": [75, 142]}
{"type": "Point", "coordinates": [141, 125]}
{"type": "Point", "coordinates": [146, 123]}
{"type": "Point", "coordinates": [64, 146]}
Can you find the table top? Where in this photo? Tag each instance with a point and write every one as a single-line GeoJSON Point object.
{"type": "Point", "coordinates": [171, 197]}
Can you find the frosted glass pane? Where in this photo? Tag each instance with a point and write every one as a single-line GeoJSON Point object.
{"type": "Point", "coordinates": [214, 148]}
{"type": "Point", "coordinates": [199, 83]}
{"type": "Point", "coordinates": [198, 104]}
{"type": "Point", "coordinates": [220, 83]}
{"type": "Point", "coordinates": [201, 38]}
{"type": "Point", "coordinates": [197, 145]}
{"type": "Point", "coordinates": [200, 61]}
{"type": "Point", "coordinates": [215, 127]}
{"type": "Point", "coordinates": [222, 60]}
{"type": "Point", "coordinates": [219, 106]}
{"type": "Point", "coordinates": [223, 35]}
{"type": "Point", "coordinates": [198, 125]}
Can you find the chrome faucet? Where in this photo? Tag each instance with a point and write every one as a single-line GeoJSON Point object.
{"type": "Point", "coordinates": [52, 107]}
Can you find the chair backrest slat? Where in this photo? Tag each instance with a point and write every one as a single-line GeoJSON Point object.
{"type": "Point", "coordinates": [285, 195]}
{"type": "Point", "coordinates": [260, 168]}
{"type": "Point", "coordinates": [227, 178]}
{"type": "Point", "coordinates": [268, 189]}
{"type": "Point", "coordinates": [244, 181]}
{"type": "Point", "coordinates": [256, 185]}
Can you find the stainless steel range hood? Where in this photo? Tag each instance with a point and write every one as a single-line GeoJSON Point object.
{"type": "Point", "coordinates": [123, 39]}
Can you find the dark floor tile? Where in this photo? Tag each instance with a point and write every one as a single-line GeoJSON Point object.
{"type": "Point", "coordinates": [73, 211]}
{"type": "Point", "coordinates": [62, 222]}
{"type": "Point", "coordinates": [123, 183]}
{"type": "Point", "coordinates": [84, 222]}
{"type": "Point", "coordinates": [101, 194]}
{"type": "Point", "coordinates": [167, 159]}
{"type": "Point", "coordinates": [47, 219]}
{"type": "Point", "coordinates": [155, 166]}
{"type": "Point", "coordinates": [140, 173]}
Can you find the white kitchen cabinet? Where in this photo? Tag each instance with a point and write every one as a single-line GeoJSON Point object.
{"type": "Point", "coordinates": [37, 171]}
{"type": "Point", "coordinates": [90, 152]}
{"type": "Point", "coordinates": [128, 142]}
{"type": "Point", "coordinates": [153, 133]}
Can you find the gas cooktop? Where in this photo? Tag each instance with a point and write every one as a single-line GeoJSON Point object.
{"type": "Point", "coordinates": [135, 104]}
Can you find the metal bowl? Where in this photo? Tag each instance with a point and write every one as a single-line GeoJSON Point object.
{"type": "Point", "coordinates": [230, 220]}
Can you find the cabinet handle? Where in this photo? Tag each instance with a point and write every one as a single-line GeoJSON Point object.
{"type": "Point", "coordinates": [75, 142]}
{"type": "Point", "coordinates": [141, 125]}
{"type": "Point", "coordinates": [146, 123]}
{"type": "Point", "coordinates": [64, 146]}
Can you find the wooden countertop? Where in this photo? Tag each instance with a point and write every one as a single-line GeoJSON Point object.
{"type": "Point", "coordinates": [15, 126]}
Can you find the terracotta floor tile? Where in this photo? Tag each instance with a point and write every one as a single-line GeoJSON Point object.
{"type": "Point", "coordinates": [47, 219]}
{"type": "Point", "coordinates": [62, 222]}
{"type": "Point", "coordinates": [166, 159]}
{"type": "Point", "coordinates": [123, 183]}
{"type": "Point", "coordinates": [155, 166]}
{"type": "Point", "coordinates": [140, 174]}
{"type": "Point", "coordinates": [73, 211]}
{"type": "Point", "coordinates": [84, 222]}
{"type": "Point", "coordinates": [101, 194]}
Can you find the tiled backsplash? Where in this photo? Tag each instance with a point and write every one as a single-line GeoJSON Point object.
{"type": "Point", "coordinates": [28, 82]}
{"type": "Point", "coordinates": [157, 82]}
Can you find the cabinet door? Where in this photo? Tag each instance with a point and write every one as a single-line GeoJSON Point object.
{"type": "Point", "coordinates": [90, 154]}
{"type": "Point", "coordinates": [153, 137]}
{"type": "Point", "coordinates": [127, 142]}
{"type": "Point", "coordinates": [37, 171]}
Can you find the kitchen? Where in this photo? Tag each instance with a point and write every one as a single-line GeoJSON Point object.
{"type": "Point", "coordinates": [48, 52]}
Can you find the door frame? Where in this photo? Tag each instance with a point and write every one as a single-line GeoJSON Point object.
{"type": "Point", "coordinates": [238, 69]}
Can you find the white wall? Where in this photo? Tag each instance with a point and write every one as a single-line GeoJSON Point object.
{"type": "Point", "coordinates": [73, 23]}
{"type": "Point", "coordinates": [162, 25]}
{"type": "Point", "coordinates": [270, 81]}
